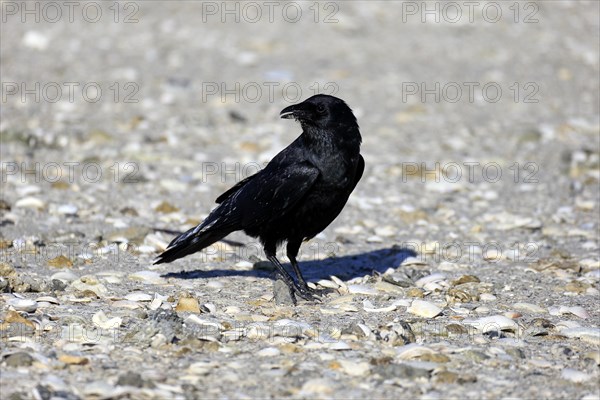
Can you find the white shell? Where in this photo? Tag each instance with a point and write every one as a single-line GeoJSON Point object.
{"type": "Point", "coordinates": [573, 375]}
{"type": "Point", "coordinates": [424, 309]}
{"type": "Point", "coordinates": [30, 202]}
{"type": "Point", "coordinates": [590, 335]}
{"type": "Point", "coordinates": [102, 321]}
{"type": "Point", "coordinates": [138, 296]}
{"type": "Point", "coordinates": [433, 278]}
{"type": "Point", "coordinates": [65, 276]}
{"type": "Point", "coordinates": [67, 209]}
{"type": "Point", "coordinates": [328, 284]}
{"type": "Point", "coordinates": [369, 307]}
{"type": "Point", "coordinates": [48, 299]}
{"type": "Point", "coordinates": [157, 301]}
{"type": "Point", "coordinates": [575, 310]}
{"type": "Point", "coordinates": [492, 323]}
{"type": "Point", "coordinates": [340, 283]}
{"type": "Point", "coordinates": [528, 307]}
{"type": "Point", "coordinates": [361, 289]}
{"type": "Point", "coordinates": [413, 350]}
{"type": "Point", "coordinates": [268, 352]}
{"type": "Point", "coordinates": [355, 368]}
{"type": "Point", "coordinates": [23, 304]}
{"type": "Point", "coordinates": [210, 307]}
{"type": "Point", "coordinates": [339, 345]}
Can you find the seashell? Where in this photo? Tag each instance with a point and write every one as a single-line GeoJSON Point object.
{"type": "Point", "coordinates": [67, 209]}
{"type": "Point", "coordinates": [157, 301]}
{"type": "Point", "coordinates": [465, 279]}
{"type": "Point", "coordinates": [48, 299]}
{"type": "Point", "coordinates": [328, 284]}
{"type": "Point", "coordinates": [399, 279]}
{"type": "Point", "coordinates": [131, 305]}
{"type": "Point", "coordinates": [590, 335]}
{"type": "Point", "coordinates": [290, 328]}
{"type": "Point", "coordinates": [348, 307]}
{"type": "Point", "coordinates": [102, 321]}
{"type": "Point", "coordinates": [365, 329]}
{"type": "Point", "coordinates": [538, 363]}
{"type": "Point", "coordinates": [30, 202]}
{"type": "Point", "coordinates": [25, 305]}
{"type": "Point", "coordinates": [202, 368]}
{"type": "Point", "coordinates": [433, 278]}
{"type": "Point", "coordinates": [402, 303]}
{"type": "Point", "coordinates": [138, 296]}
{"type": "Point", "coordinates": [573, 375]}
{"type": "Point", "coordinates": [65, 276]}
{"type": "Point", "coordinates": [413, 261]}
{"type": "Point", "coordinates": [338, 345]}
{"type": "Point", "coordinates": [189, 304]}
{"type": "Point", "coordinates": [355, 368]}
{"type": "Point", "coordinates": [340, 283]}
{"type": "Point", "coordinates": [209, 308]}
{"type": "Point", "coordinates": [369, 307]}
{"type": "Point", "coordinates": [268, 352]}
{"type": "Point", "coordinates": [492, 323]}
{"type": "Point", "coordinates": [528, 307]}
{"type": "Point", "coordinates": [412, 351]}
{"type": "Point", "coordinates": [458, 296]}
{"type": "Point", "coordinates": [567, 324]}
{"type": "Point", "coordinates": [258, 331]}
{"type": "Point", "coordinates": [575, 310]}
{"type": "Point", "coordinates": [232, 310]}
{"type": "Point", "coordinates": [91, 284]}
{"type": "Point", "coordinates": [424, 309]}
{"type": "Point", "coordinates": [361, 289]}
{"type": "Point", "coordinates": [487, 297]}
{"type": "Point", "coordinates": [205, 323]}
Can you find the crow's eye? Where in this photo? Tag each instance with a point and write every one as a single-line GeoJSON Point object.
{"type": "Point", "coordinates": [321, 109]}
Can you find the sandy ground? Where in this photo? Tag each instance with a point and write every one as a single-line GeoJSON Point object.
{"type": "Point", "coordinates": [465, 265]}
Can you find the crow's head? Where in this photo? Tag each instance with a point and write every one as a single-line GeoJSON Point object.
{"type": "Point", "coordinates": [321, 111]}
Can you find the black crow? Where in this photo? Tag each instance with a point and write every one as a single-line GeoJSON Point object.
{"type": "Point", "coordinates": [297, 195]}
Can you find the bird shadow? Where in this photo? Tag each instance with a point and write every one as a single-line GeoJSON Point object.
{"type": "Point", "coordinates": [344, 267]}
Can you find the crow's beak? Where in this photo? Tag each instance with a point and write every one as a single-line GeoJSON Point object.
{"type": "Point", "coordinates": [296, 111]}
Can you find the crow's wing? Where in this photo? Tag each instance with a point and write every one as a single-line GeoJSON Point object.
{"type": "Point", "coordinates": [234, 189]}
{"type": "Point", "coordinates": [271, 193]}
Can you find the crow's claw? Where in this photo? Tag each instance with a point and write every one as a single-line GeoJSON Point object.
{"type": "Point", "coordinates": [308, 294]}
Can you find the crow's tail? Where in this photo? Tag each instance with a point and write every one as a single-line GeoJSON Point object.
{"type": "Point", "coordinates": [190, 242]}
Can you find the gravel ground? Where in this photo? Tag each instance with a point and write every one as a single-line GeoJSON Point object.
{"type": "Point", "coordinates": [465, 264]}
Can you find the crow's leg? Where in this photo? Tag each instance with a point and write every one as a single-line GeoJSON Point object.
{"type": "Point", "coordinates": [293, 247]}
{"type": "Point", "coordinates": [287, 278]}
